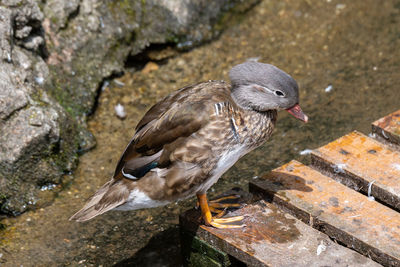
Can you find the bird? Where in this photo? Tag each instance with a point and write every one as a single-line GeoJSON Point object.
{"type": "Point", "coordinates": [189, 139]}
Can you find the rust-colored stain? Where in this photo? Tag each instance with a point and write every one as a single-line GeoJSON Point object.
{"type": "Point", "coordinates": [337, 205]}
{"type": "Point", "coordinates": [366, 158]}
{"type": "Point", "coordinates": [390, 121]}
{"type": "Point", "coordinates": [261, 226]}
{"type": "Point", "coordinates": [389, 126]}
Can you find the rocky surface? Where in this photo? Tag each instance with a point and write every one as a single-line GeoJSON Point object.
{"type": "Point", "coordinates": [55, 56]}
{"type": "Point", "coordinates": [34, 150]}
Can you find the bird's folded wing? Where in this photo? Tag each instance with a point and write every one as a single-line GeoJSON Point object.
{"type": "Point", "coordinates": [179, 121]}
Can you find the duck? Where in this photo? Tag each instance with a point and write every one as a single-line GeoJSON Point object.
{"type": "Point", "coordinates": [188, 140]}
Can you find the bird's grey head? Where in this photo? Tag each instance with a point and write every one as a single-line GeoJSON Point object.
{"type": "Point", "coordinates": [262, 87]}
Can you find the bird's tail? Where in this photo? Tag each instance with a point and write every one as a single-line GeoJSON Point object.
{"type": "Point", "coordinates": [109, 196]}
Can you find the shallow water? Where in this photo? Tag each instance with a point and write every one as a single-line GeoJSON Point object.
{"type": "Point", "coordinates": [352, 47]}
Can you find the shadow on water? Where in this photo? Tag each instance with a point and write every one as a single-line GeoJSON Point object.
{"type": "Point", "coordinates": [163, 249]}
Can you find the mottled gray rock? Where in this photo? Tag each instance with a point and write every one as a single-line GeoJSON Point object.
{"type": "Point", "coordinates": [5, 34]}
{"type": "Point", "coordinates": [61, 11]}
{"type": "Point", "coordinates": [12, 98]}
{"type": "Point", "coordinates": [27, 19]}
{"type": "Point", "coordinates": [30, 126]}
{"type": "Point", "coordinates": [34, 151]}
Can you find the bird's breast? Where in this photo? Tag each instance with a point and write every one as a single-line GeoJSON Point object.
{"type": "Point", "coordinates": [229, 157]}
{"type": "Point", "coordinates": [255, 128]}
{"type": "Point", "coordinates": [226, 160]}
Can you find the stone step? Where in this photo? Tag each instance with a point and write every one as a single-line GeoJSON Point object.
{"type": "Point", "coordinates": [366, 226]}
{"type": "Point", "coordinates": [271, 238]}
{"type": "Point", "coordinates": [363, 164]}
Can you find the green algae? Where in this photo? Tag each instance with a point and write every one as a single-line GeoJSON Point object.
{"type": "Point", "coordinates": [125, 6]}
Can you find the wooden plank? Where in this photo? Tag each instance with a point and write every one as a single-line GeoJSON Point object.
{"type": "Point", "coordinates": [344, 214]}
{"type": "Point", "coordinates": [273, 238]}
{"type": "Point", "coordinates": [356, 160]}
{"type": "Point", "coordinates": [197, 252]}
{"type": "Point", "coordinates": [388, 127]}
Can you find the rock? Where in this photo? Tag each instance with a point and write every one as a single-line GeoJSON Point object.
{"type": "Point", "coordinates": [149, 67]}
{"type": "Point", "coordinates": [5, 33]}
{"type": "Point", "coordinates": [27, 19]}
{"type": "Point", "coordinates": [12, 98]}
{"type": "Point", "coordinates": [90, 40]}
{"type": "Point", "coordinates": [62, 10]}
{"type": "Point", "coordinates": [34, 150]}
{"type": "Point", "coordinates": [53, 61]}
{"type": "Point", "coordinates": [28, 129]}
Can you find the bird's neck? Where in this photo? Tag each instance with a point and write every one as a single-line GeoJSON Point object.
{"type": "Point", "coordinates": [239, 100]}
{"type": "Point", "coordinates": [249, 110]}
{"type": "Point", "coordinates": [237, 94]}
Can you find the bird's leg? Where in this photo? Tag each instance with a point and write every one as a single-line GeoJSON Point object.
{"type": "Point", "coordinates": [216, 222]}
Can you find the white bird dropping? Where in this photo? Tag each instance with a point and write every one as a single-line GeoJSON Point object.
{"type": "Point", "coordinates": [305, 152]}
{"type": "Point", "coordinates": [328, 88]}
{"type": "Point", "coordinates": [370, 197]}
{"type": "Point", "coordinates": [321, 247]}
{"type": "Point", "coordinates": [120, 111]}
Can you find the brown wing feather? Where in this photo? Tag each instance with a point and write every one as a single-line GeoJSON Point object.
{"type": "Point", "coordinates": [152, 115]}
{"type": "Point", "coordinates": [162, 106]}
{"type": "Point", "coordinates": [181, 120]}
{"type": "Point", "coordinates": [109, 196]}
{"type": "Point", "coordinates": [180, 114]}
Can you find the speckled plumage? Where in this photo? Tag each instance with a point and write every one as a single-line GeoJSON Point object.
{"type": "Point", "coordinates": [181, 147]}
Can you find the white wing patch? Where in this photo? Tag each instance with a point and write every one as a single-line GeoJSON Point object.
{"type": "Point", "coordinates": [139, 200]}
{"type": "Point", "coordinates": [234, 130]}
{"type": "Point", "coordinates": [218, 108]}
{"type": "Point", "coordinates": [129, 176]}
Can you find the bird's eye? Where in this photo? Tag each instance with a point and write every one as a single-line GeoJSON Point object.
{"type": "Point", "coordinates": [279, 93]}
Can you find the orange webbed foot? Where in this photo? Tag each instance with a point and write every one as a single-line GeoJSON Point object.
{"type": "Point", "coordinates": [217, 221]}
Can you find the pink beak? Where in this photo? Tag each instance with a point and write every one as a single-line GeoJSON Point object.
{"type": "Point", "coordinates": [298, 113]}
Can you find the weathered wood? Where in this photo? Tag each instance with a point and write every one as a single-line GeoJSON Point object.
{"type": "Point", "coordinates": [273, 238]}
{"type": "Point", "coordinates": [197, 252]}
{"type": "Point", "coordinates": [388, 127]}
{"type": "Point", "coordinates": [344, 214]}
{"type": "Point", "coordinates": [356, 160]}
